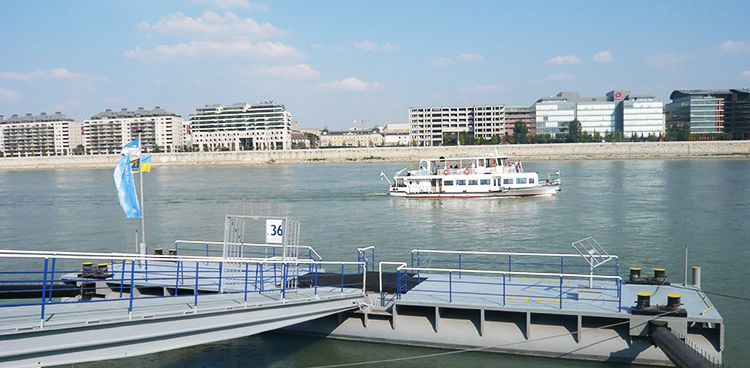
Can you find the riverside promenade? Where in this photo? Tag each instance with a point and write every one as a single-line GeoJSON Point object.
{"type": "Point", "coordinates": [527, 152]}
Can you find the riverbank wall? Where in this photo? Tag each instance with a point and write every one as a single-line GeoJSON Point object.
{"type": "Point", "coordinates": [526, 152]}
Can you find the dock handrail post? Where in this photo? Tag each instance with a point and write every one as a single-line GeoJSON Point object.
{"type": "Point", "coordinates": [309, 256]}
{"type": "Point", "coordinates": [221, 280]}
{"type": "Point", "coordinates": [561, 285]}
{"type": "Point", "coordinates": [284, 271]}
{"type": "Point", "coordinates": [122, 278]}
{"type": "Point", "coordinates": [247, 266]}
{"type": "Point", "coordinates": [510, 269]}
{"type": "Point", "coordinates": [177, 279]}
{"type": "Point", "coordinates": [562, 267]}
{"type": "Point", "coordinates": [342, 278]}
{"type": "Point", "coordinates": [450, 286]}
{"type": "Point", "coordinates": [619, 294]}
{"type": "Point", "coordinates": [316, 279]}
{"type": "Point", "coordinates": [459, 265]}
{"type": "Point", "coordinates": [255, 284]}
{"type": "Point", "coordinates": [132, 288]}
{"type": "Point", "coordinates": [52, 280]}
{"type": "Point", "coordinates": [398, 283]}
{"type": "Point", "coordinates": [503, 289]}
{"type": "Point", "coordinates": [373, 259]}
{"type": "Point", "coordinates": [146, 264]}
{"type": "Point", "coordinates": [412, 259]}
{"type": "Point", "coordinates": [176, 247]}
{"type": "Point", "coordinates": [44, 293]}
{"type": "Point", "coordinates": [195, 288]}
{"type": "Point", "coordinates": [418, 266]}
{"type": "Point", "coordinates": [206, 249]}
{"type": "Point", "coordinates": [261, 278]}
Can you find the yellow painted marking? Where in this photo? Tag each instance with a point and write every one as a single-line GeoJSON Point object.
{"type": "Point", "coordinates": [548, 301]}
{"type": "Point", "coordinates": [513, 299]}
{"type": "Point", "coordinates": [707, 309]}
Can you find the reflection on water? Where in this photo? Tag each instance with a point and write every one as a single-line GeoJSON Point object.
{"type": "Point", "coordinates": [643, 211]}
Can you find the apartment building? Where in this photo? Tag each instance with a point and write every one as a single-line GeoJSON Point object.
{"type": "Point", "coordinates": [39, 135]}
{"type": "Point", "coordinates": [430, 125]}
{"type": "Point", "coordinates": [159, 130]}
{"type": "Point", "coordinates": [241, 127]}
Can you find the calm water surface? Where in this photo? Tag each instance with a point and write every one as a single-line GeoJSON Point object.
{"type": "Point", "coordinates": [643, 211]}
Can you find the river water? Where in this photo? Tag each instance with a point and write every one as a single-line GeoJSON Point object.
{"type": "Point", "coordinates": [644, 211]}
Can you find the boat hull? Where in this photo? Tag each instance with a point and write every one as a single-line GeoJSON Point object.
{"type": "Point", "coordinates": [540, 191]}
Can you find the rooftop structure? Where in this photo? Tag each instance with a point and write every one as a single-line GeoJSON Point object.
{"type": "Point", "coordinates": [241, 127]}
{"type": "Point", "coordinates": [351, 138]}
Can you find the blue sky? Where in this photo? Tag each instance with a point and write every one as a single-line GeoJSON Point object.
{"type": "Point", "coordinates": [331, 62]}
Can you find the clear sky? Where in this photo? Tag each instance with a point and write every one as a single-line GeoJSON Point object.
{"type": "Point", "coordinates": [331, 62]}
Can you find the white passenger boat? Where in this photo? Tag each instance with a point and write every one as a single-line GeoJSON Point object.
{"type": "Point", "coordinates": [475, 177]}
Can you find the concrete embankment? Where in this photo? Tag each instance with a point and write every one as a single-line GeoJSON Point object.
{"type": "Point", "coordinates": [573, 151]}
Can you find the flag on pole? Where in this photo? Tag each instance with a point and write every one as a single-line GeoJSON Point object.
{"type": "Point", "coordinates": [126, 188]}
{"type": "Point", "coordinates": [146, 164]}
{"type": "Point", "coordinates": [143, 163]}
{"type": "Point", "coordinates": [132, 148]}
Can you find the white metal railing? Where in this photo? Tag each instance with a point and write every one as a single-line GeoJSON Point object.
{"type": "Point", "coordinates": [257, 245]}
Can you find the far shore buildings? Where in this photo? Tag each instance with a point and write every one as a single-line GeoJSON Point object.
{"type": "Point", "coordinates": [395, 134]}
{"type": "Point", "coordinates": [519, 115]}
{"type": "Point", "coordinates": [241, 127]}
{"type": "Point", "coordinates": [159, 130]}
{"type": "Point", "coordinates": [711, 111]}
{"type": "Point", "coordinates": [39, 135]}
{"type": "Point", "coordinates": [618, 111]}
{"type": "Point", "coordinates": [431, 125]}
{"type": "Point", "coordinates": [351, 138]}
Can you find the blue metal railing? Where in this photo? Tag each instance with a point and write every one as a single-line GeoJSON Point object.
{"type": "Point", "coordinates": [127, 279]}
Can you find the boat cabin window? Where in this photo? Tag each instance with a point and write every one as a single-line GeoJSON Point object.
{"type": "Point", "coordinates": [520, 180]}
{"type": "Point", "coordinates": [531, 180]}
{"type": "Point", "coordinates": [460, 182]}
{"type": "Point", "coordinates": [484, 182]}
{"type": "Point", "coordinates": [448, 182]}
{"type": "Point", "coordinates": [507, 181]}
{"type": "Point", "coordinates": [472, 182]}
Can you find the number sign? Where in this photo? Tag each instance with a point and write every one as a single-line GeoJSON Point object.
{"type": "Point", "coordinates": [274, 231]}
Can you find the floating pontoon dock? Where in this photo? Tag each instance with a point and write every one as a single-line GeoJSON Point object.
{"type": "Point", "coordinates": [67, 307]}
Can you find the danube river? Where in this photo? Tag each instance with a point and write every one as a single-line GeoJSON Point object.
{"type": "Point", "coordinates": [644, 211]}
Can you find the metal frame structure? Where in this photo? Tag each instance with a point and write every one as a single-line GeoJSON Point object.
{"type": "Point", "coordinates": [593, 253]}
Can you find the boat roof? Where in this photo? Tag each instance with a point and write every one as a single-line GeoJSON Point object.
{"type": "Point", "coordinates": [467, 158]}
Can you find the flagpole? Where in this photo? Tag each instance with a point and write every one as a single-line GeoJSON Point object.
{"type": "Point", "coordinates": [140, 177]}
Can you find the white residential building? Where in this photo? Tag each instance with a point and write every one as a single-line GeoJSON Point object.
{"type": "Point", "coordinates": [396, 134]}
{"type": "Point", "coordinates": [41, 135]}
{"type": "Point", "coordinates": [429, 125]}
{"type": "Point", "coordinates": [241, 127]}
{"type": "Point", "coordinates": [351, 138]}
{"type": "Point", "coordinates": [159, 130]}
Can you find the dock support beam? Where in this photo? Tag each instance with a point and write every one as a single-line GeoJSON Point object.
{"type": "Point", "coordinates": [528, 325]}
{"type": "Point", "coordinates": [579, 328]}
{"type": "Point", "coordinates": [481, 322]}
{"type": "Point", "coordinates": [437, 319]}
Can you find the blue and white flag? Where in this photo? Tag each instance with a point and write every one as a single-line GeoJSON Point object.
{"type": "Point", "coordinates": [126, 188]}
{"type": "Point", "coordinates": [132, 148]}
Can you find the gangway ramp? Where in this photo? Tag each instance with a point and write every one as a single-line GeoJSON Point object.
{"type": "Point", "coordinates": [108, 321]}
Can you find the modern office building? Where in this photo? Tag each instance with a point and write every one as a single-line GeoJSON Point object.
{"type": "Point", "coordinates": [40, 135]}
{"type": "Point", "coordinates": [351, 138]}
{"type": "Point", "coordinates": [553, 114]}
{"type": "Point", "coordinates": [430, 125]}
{"type": "Point", "coordinates": [711, 111]}
{"type": "Point", "coordinates": [241, 127]}
{"type": "Point", "coordinates": [519, 115]}
{"type": "Point", "coordinates": [159, 130]}
{"type": "Point", "coordinates": [618, 111]}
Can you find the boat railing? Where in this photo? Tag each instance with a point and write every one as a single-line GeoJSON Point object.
{"type": "Point", "coordinates": [256, 250]}
{"type": "Point", "coordinates": [46, 279]}
{"type": "Point", "coordinates": [503, 287]}
{"type": "Point", "coordinates": [512, 261]}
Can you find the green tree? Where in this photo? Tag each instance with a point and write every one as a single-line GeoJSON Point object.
{"type": "Point", "coordinates": [521, 133]}
{"type": "Point", "coordinates": [574, 132]}
{"type": "Point", "coordinates": [678, 132]}
{"type": "Point", "coordinates": [596, 137]}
